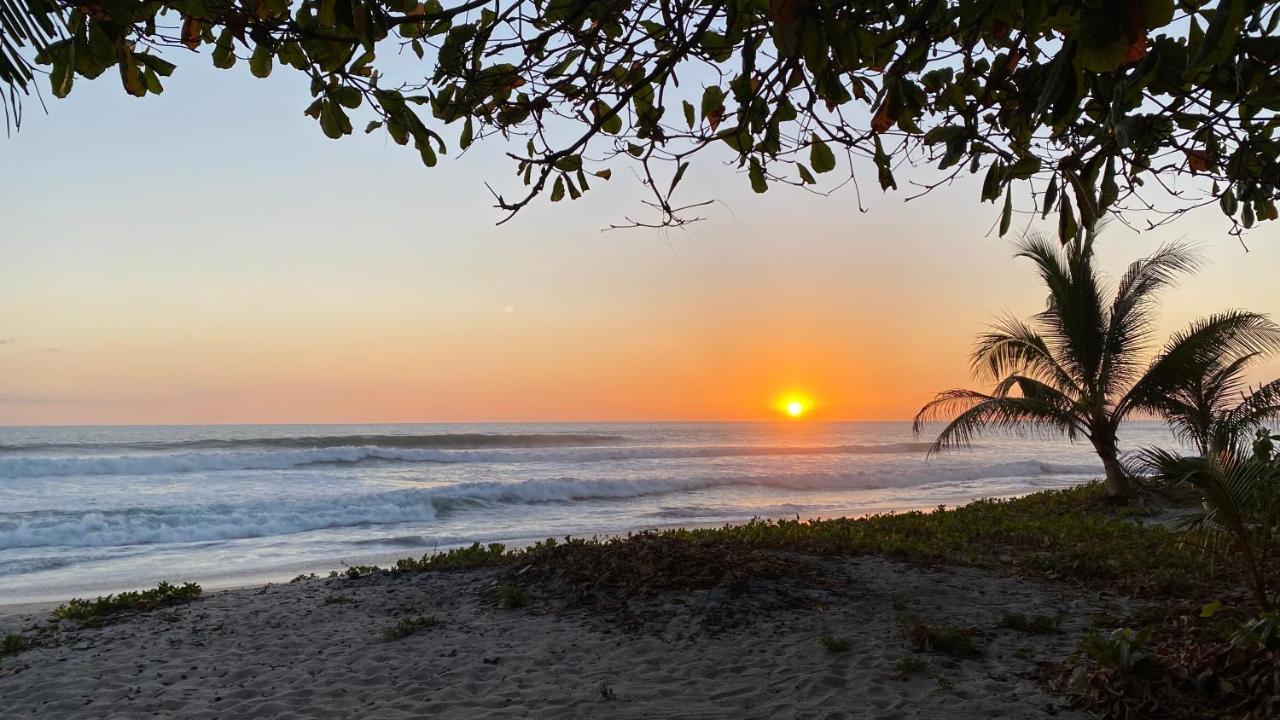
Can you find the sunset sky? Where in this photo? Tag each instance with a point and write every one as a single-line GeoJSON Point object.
{"type": "Point", "coordinates": [208, 256]}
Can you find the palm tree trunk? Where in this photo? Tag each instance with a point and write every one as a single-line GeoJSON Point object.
{"type": "Point", "coordinates": [1119, 486]}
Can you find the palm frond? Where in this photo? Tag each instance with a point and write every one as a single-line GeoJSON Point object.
{"type": "Point", "coordinates": [972, 413]}
{"type": "Point", "coordinates": [1011, 346]}
{"type": "Point", "coordinates": [1193, 351]}
{"type": "Point", "coordinates": [1255, 410]}
{"type": "Point", "coordinates": [27, 27]}
{"type": "Point", "coordinates": [1074, 318]}
{"type": "Point", "coordinates": [1130, 319]}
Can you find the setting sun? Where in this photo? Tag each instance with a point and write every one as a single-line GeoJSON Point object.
{"type": "Point", "coordinates": [794, 405]}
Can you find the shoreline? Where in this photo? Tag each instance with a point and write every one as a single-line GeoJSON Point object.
{"type": "Point", "coordinates": [279, 574]}
{"type": "Point", "coordinates": [978, 611]}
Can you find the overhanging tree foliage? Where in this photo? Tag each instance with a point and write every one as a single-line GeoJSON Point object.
{"type": "Point", "coordinates": [1088, 108]}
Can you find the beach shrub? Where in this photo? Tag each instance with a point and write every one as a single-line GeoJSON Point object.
{"type": "Point", "coordinates": [13, 644]}
{"type": "Point", "coordinates": [1238, 520]}
{"type": "Point", "coordinates": [946, 639]}
{"type": "Point", "coordinates": [905, 667]}
{"type": "Point", "coordinates": [833, 645]}
{"type": "Point", "coordinates": [336, 600]}
{"type": "Point", "coordinates": [409, 626]}
{"type": "Point", "coordinates": [474, 555]}
{"type": "Point", "coordinates": [1035, 625]}
{"type": "Point", "coordinates": [103, 607]}
{"type": "Point", "coordinates": [512, 597]}
{"type": "Point", "coordinates": [358, 571]}
{"type": "Point", "coordinates": [1262, 632]}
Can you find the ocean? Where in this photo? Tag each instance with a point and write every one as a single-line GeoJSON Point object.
{"type": "Point", "coordinates": [91, 510]}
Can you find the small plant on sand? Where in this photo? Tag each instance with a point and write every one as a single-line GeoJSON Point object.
{"type": "Point", "coordinates": [13, 644]}
{"type": "Point", "coordinates": [606, 691]}
{"type": "Point", "coordinates": [92, 611]}
{"type": "Point", "coordinates": [474, 555]}
{"type": "Point", "coordinates": [336, 600]}
{"type": "Point", "coordinates": [833, 645]}
{"type": "Point", "coordinates": [1034, 625]}
{"type": "Point", "coordinates": [359, 571]}
{"type": "Point", "coordinates": [512, 597]}
{"type": "Point", "coordinates": [905, 667]}
{"type": "Point", "coordinates": [409, 626]}
{"type": "Point", "coordinates": [946, 639]}
{"type": "Point", "coordinates": [303, 578]}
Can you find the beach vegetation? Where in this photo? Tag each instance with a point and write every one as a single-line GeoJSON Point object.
{"type": "Point", "coordinates": [833, 645]}
{"type": "Point", "coordinates": [471, 556]}
{"type": "Point", "coordinates": [103, 607]}
{"type": "Point", "coordinates": [354, 572]}
{"type": "Point", "coordinates": [303, 578]}
{"type": "Point", "coordinates": [512, 597]}
{"type": "Point", "coordinates": [1034, 625]}
{"type": "Point", "coordinates": [905, 667]}
{"type": "Point", "coordinates": [1051, 105]}
{"type": "Point", "coordinates": [1235, 476]}
{"type": "Point", "coordinates": [607, 692]}
{"type": "Point", "coordinates": [946, 639]}
{"type": "Point", "coordinates": [1082, 366]}
{"type": "Point", "coordinates": [13, 644]}
{"type": "Point", "coordinates": [336, 600]}
{"type": "Point", "coordinates": [409, 626]}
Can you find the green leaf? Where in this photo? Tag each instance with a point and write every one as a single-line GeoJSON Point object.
{"type": "Point", "coordinates": [756, 173]}
{"type": "Point", "coordinates": [612, 123]}
{"type": "Point", "coordinates": [945, 133]}
{"type": "Point", "coordinates": [223, 51]}
{"type": "Point", "coordinates": [1050, 197]}
{"type": "Point", "coordinates": [426, 152]}
{"type": "Point", "coordinates": [1024, 168]}
{"type": "Point", "coordinates": [346, 96]}
{"type": "Point", "coordinates": [675, 180]}
{"type": "Point", "coordinates": [557, 190]}
{"type": "Point", "coordinates": [689, 114]}
{"type": "Point", "coordinates": [333, 120]}
{"type": "Point", "coordinates": [1006, 215]}
{"type": "Point", "coordinates": [260, 62]}
{"type": "Point", "coordinates": [1067, 226]}
{"type": "Point", "coordinates": [737, 138]}
{"type": "Point", "coordinates": [569, 163]}
{"type": "Point", "coordinates": [805, 176]}
{"type": "Point", "coordinates": [712, 99]}
{"type": "Point", "coordinates": [1211, 609]}
{"type": "Point", "coordinates": [1220, 38]}
{"type": "Point", "coordinates": [820, 156]}
{"type": "Point", "coordinates": [464, 141]}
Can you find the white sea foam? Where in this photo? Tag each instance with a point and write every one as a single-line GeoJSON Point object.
{"type": "Point", "coordinates": [137, 526]}
{"type": "Point", "coordinates": [185, 462]}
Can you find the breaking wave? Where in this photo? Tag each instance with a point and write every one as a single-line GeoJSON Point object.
{"type": "Point", "coordinates": [152, 464]}
{"type": "Point", "coordinates": [137, 526]}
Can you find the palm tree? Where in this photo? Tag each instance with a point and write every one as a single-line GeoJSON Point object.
{"type": "Point", "coordinates": [1214, 409]}
{"type": "Point", "coordinates": [1079, 367]}
{"type": "Point", "coordinates": [1235, 472]}
{"type": "Point", "coordinates": [1239, 515]}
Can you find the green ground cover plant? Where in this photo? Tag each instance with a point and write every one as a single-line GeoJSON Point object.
{"type": "Point", "coordinates": [409, 626]}
{"type": "Point", "coordinates": [104, 607]}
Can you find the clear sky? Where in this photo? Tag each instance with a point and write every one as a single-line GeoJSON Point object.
{"type": "Point", "coordinates": [209, 256]}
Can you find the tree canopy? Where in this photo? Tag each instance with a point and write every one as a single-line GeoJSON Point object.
{"type": "Point", "coordinates": [1144, 109]}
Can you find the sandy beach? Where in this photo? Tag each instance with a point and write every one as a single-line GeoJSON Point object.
{"type": "Point", "coordinates": [315, 649]}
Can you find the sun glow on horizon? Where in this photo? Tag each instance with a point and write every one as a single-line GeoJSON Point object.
{"type": "Point", "coordinates": [794, 405]}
